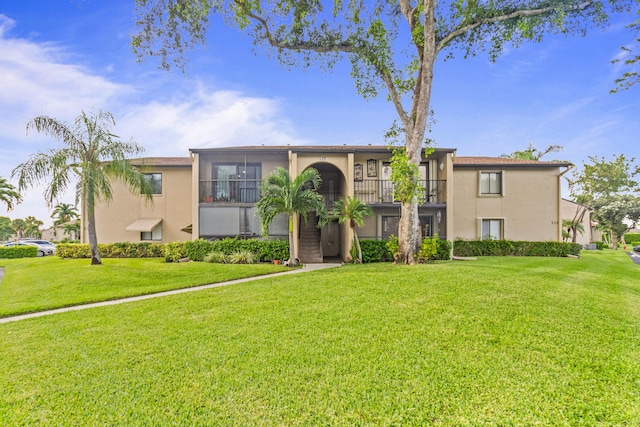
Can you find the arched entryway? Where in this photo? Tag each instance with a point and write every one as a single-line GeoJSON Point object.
{"type": "Point", "coordinates": [318, 244]}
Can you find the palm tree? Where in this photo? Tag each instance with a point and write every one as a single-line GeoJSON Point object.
{"type": "Point", "coordinates": [354, 211]}
{"type": "Point", "coordinates": [19, 227]}
{"type": "Point", "coordinates": [32, 227]}
{"type": "Point", "coordinates": [570, 229]}
{"type": "Point", "coordinates": [281, 194]}
{"type": "Point", "coordinates": [71, 229]}
{"type": "Point", "coordinates": [64, 212]}
{"type": "Point", "coordinates": [8, 194]}
{"type": "Point", "coordinates": [92, 155]}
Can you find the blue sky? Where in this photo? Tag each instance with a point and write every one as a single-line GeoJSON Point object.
{"type": "Point", "coordinates": [60, 57]}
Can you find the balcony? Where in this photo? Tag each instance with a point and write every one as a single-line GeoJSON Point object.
{"type": "Point", "coordinates": [229, 191]}
{"type": "Point", "coordinates": [373, 192]}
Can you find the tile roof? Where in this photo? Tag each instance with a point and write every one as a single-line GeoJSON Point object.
{"type": "Point", "coordinates": [502, 161]}
{"type": "Point", "coordinates": [162, 161]}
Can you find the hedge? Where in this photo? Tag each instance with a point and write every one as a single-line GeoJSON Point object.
{"type": "Point", "coordinates": [632, 239]}
{"type": "Point", "coordinates": [112, 250]}
{"type": "Point", "coordinates": [267, 250]}
{"type": "Point", "coordinates": [466, 248]}
{"type": "Point", "coordinates": [18, 252]}
{"type": "Point", "coordinates": [378, 250]}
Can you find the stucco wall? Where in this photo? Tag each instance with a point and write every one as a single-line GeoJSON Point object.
{"type": "Point", "coordinates": [173, 206]}
{"type": "Point", "coordinates": [528, 207]}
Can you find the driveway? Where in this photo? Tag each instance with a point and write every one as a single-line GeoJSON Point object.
{"type": "Point", "coordinates": [635, 257]}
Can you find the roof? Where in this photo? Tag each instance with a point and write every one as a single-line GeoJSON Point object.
{"type": "Point", "coordinates": [310, 149]}
{"type": "Point", "coordinates": [162, 161]}
{"type": "Point", "coordinates": [471, 161]}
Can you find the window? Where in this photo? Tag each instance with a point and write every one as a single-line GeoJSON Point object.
{"type": "Point", "coordinates": [155, 179]}
{"type": "Point", "coordinates": [236, 182]}
{"type": "Point", "coordinates": [491, 183]}
{"type": "Point", "coordinates": [491, 229]}
{"type": "Point", "coordinates": [155, 234]}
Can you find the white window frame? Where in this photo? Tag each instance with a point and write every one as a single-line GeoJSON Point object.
{"type": "Point", "coordinates": [501, 193]}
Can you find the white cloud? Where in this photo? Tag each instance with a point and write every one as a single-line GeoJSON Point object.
{"type": "Point", "coordinates": [45, 78]}
{"type": "Point", "coordinates": [207, 118]}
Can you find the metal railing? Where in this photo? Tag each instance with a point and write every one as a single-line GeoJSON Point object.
{"type": "Point", "coordinates": [369, 191]}
{"type": "Point", "coordinates": [381, 191]}
{"type": "Point", "coordinates": [229, 190]}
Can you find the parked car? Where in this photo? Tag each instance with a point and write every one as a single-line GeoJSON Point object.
{"type": "Point", "coordinates": [44, 247]}
{"type": "Point", "coordinates": [636, 248]}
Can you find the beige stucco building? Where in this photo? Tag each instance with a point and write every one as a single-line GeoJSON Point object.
{"type": "Point", "coordinates": [212, 194]}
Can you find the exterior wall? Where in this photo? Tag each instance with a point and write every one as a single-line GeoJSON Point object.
{"type": "Point", "coordinates": [568, 211]}
{"type": "Point", "coordinates": [529, 206]}
{"type": "Point", "coordinates": [173, 206]}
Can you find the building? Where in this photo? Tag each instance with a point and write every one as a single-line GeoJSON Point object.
{"type": "Point", "coordinates": [212, 194]}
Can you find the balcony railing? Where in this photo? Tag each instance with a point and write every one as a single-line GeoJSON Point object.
{"type": "Point", "coordinates": [381, 191]}
{"type": "Point", "coordinates": [230, 190]}
{"type": "Point", "coordinates": [371, 192]}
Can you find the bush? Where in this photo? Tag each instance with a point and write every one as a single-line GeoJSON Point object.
{"type": "Point", "coordinates": [375, 251]}
{"type": "Point", "coordinates": [600, 245]}
{"type": "Point", "coordinates": [196, 250]}
{"type": "Point", "coordinates": [13, 252]}
{"type": "Point", "coordinates": [216, 258]}
{"type": "Point", "coordinates": [443, 250]}
{"type": "Point", "coordinates": [174, 251]}
{"type": "Point", "coordinates": [513, 248]}
{"type": "Point", "coordinates": [631, 239]}
{"type": "Point", "coordinates": [112, 250]}
{"type": "Point", "coordinates": [243, 257]}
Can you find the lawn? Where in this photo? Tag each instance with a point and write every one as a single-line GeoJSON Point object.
{"type": "Point", "coordinates": [36, 284]}
{"type": "Point", "coordinates": [498, 341]}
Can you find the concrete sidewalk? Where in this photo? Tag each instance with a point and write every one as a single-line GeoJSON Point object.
{"type": "Point", "coordinates": [304, 269]}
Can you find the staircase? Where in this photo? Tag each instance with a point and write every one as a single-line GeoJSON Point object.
{"type": "Point", "coordinates": [310, 246]}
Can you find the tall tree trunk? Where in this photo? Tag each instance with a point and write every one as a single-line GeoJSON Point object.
{"type": "Point", "coordinates": [355, 235]}
{"type": "Point", "coordinates": [91, 228]}
{"type": "Point", "coordinates": [415, 125]}
{"type": "Point", "coordinates": [292, 259]}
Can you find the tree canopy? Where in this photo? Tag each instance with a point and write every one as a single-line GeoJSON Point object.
{"type": "Point", "coordinates": [532, 153]}
{"type": "Point", "coordinates": [609, 188]}
{"type": "Point", "coordinates": [392, 46]}
{"type": "Point", "coordinates": [8, 194]}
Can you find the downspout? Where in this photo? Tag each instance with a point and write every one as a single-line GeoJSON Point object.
{"type": "Point", "coordinates": [560, 201]}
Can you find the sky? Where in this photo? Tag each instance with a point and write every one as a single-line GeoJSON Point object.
{"type": "Point", "coordinates": [62, 57]}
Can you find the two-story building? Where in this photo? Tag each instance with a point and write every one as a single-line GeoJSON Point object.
{"type": "Point", "coordinates": [212, 194]}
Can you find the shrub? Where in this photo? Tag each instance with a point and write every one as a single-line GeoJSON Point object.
{"type": "Point", "coordinates": [273, 249]}
{"type": "Point", "coordinates": [243, 257]}
{"type": "Point", "coordinates": [601, 245]}
{"type": "Point", "coordinates": [74, 250]}
{"type": "Point", "coordinates": [513, 248]}
{"type": "Point", "coordinates": [196, 250]}
{"type": "Point", "coordinates": [174, 251]}
{"type": "Point", "coordinates": [393, 246]}
{"type": "Point", "coordinates": [630, 239]}
{"type": "Point", "coordinates": [112, 250]}
{"type": "Point", "coordinates": [375, 251]}
{"type": "Point", "coordinates": [216, 257]}
{"type": "Point", "coordinates": [443, 250]}
{"type": "Point", "coordinates": [13, 252]}
{"type": "Point", "coordinates": [428, 249]}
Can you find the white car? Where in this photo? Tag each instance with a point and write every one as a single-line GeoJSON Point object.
{"type": "Point", "coordinates": [44, 247]}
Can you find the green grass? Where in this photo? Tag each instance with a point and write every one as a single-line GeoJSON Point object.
{"type": "Point", "coordinates": [499, 341]}
{"type": "Point", "coordinates": [36, 284]}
